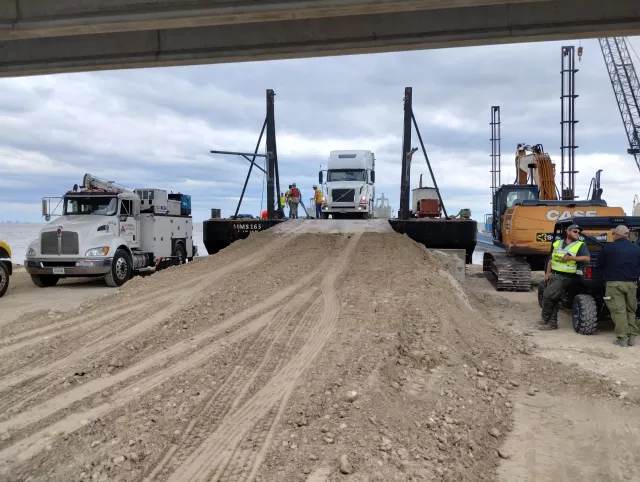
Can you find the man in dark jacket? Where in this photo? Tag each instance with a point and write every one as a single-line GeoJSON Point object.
{"type": "Point", "coordinates": [619, 263]}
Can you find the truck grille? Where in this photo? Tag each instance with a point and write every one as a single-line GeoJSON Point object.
{"type": "Point", "coordinates": [68, 243]}
{"type": "Point", "coordinates": [49, 243]}
{"type": "Point", "coordinates": [343, 195]}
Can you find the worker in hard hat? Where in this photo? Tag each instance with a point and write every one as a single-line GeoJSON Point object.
{"type": "Point", "coordinates": [294, 200]}
{"type": "Point", "coordinates": [317, 196]}
{"type": "Point", "coordinates": [287, 198]}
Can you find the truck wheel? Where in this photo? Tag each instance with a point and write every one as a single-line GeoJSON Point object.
{"type": "Point", "coordinates": [181, 253]}
{"type": "Point", "coordinates": [4, 279]}
{"type": "Point", "coordinates": [120, 270]}
{"type": "Point", "coordinates": [44, 280]}
{"type": "Point", "coordinates": [325, 215]}
{"type": "Point", "coordinates": [541, 288]}
{"type": "Point", "coordinates": [584, 314]}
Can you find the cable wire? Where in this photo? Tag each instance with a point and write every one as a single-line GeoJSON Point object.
{"type": "Point", "coordinates": [632, 48]}
{"type": "Point", "coordinates": [263, 182]}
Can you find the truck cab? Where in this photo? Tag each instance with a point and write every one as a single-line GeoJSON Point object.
{"type": "Point", "coordinates": [349, 184]}
{"type": "Point", "coordinates": [106, 230]}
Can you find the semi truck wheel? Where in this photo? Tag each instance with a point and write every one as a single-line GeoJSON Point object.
{"type": "Point", "coordinates": [44, 280]}
{"type": "Point", "coordinates": [120, 270]}
{"type": "Point", "coordinates": [4, 279]}
{"type": "Point", "coordinates": [584, 314]}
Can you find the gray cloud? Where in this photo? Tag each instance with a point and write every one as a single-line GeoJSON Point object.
{"type": "Point", "coordinates": [156, 127]}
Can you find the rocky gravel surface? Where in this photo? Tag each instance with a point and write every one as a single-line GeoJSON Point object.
{"type": "Point", "coordinates": [292, 356]}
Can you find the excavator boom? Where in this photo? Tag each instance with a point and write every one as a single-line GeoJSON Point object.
{"type": "Point", "coordinates": [534, 166]}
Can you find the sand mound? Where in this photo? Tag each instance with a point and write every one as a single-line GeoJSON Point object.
{"type": "Point", "coordinates": [285, 357]}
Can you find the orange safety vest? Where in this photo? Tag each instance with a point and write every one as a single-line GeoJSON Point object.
{"type": "Point", "coordinates": [295, 192]}
{"type": "Point", "coordinates": [318, 196]}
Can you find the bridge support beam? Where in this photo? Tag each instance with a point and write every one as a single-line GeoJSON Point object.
{"type": "Point", "coordinates": [318, 36]}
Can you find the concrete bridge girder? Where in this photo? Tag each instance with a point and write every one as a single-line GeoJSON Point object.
{"type": "Point", "coordinates": [21, 19]}
{"type": "Point", "coordinates": [364, 33]}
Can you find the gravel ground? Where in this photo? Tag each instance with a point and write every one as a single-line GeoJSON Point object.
{"type": "Point", "coordinates": [296, 356]}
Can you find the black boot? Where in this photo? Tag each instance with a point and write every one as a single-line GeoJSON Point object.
{"type": "Point", "coordinates": [552, 324]}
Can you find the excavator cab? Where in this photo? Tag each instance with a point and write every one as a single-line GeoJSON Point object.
{"type": "Point", "coordinates": [509, 195]}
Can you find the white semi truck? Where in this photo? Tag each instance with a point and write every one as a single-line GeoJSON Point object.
{"type": "Point", "coordinates": [107, 230]}
{"type": "Point", "coordinates": [349, 189]}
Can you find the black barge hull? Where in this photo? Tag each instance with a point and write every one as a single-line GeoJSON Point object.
{"type": "Point", "coordinates": [440, 233]}
{"type": "Point", "coordinates": [217, 234]}
{"type": "Point", "coordinates": [432, 233]}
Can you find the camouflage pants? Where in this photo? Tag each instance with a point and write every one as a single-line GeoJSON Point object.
{"type": "Point", "coordinates": [556, 286]}
{"type": "Point", "coordinates": [622, 306]}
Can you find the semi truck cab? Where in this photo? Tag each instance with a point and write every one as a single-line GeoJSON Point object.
{"type": "Point", "coordinates": [349, 184]}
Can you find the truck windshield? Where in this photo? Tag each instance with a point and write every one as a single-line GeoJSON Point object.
{"type": "Point", "coordinates": [334, 175]}
{"type": "Point", "coordinates": [105, 206]}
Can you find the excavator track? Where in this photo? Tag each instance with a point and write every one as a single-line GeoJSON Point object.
{"type": "Point", "coordinates": [511, 273]}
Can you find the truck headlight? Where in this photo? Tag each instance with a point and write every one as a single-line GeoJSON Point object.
{"type": "Point", "coordinates": [31, 252]}
{"type": "Point", "coordinates": [98, 251]}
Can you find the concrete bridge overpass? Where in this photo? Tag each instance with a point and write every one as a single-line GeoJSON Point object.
{"type": "Point", "coordinates": [51, 36]}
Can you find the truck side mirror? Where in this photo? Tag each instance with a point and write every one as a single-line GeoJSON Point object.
{"type": "Point", "coordinates": [320, 177]}
{"type": "Point", "coordinates": [45, 210]}
{"type": "Point", "coordinates": [373, 176]}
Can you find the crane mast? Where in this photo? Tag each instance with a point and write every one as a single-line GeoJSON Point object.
{"type": "Point", "coordinates": [626, 88]}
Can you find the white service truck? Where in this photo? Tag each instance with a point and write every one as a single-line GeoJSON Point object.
{"type": "Point", "coordinates": [107, 230]}
{"type": "Point", "coordinates": [349, 189]}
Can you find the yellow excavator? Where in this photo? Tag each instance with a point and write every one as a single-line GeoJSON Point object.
{"type": "Point", "coordinates": [524, 214]}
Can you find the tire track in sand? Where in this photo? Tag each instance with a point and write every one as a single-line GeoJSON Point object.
{"type": "Point", "coordinates": [27, 447]}
{"type": "Point", "coordinates": [175, 301]}
{"type": "Point", "coordinates": [220, 453]}
{"type": "Point", "coordinates": [130, 308]}
{"type": "Point", "coordinates": [235, 386]}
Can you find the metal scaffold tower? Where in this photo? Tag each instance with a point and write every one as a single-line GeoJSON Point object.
{"type": "Point", "coordinates": [626, 88]}
{"type": "Point", "coordinates": [495, 149]}
{"type": "Point", "coordinates": [568, 122]}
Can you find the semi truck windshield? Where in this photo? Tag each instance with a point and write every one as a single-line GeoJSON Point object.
{"type": "Point", "coordinates": [106, 206]}
{"type": "Point", "coordinates": [338, 175]}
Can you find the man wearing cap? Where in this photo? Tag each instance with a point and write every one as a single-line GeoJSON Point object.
{"type": "Point", "coordinates": [619, 263]}
{"type": "Point", "coordinates": [562, 269]}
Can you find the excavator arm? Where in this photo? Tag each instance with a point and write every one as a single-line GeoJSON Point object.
{"type": "Point", "coordinates": [534, 166]}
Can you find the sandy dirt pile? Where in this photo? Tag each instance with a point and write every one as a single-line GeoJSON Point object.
{"type": "Point", "coordinates": [286, 357]}
{"type": "Point", "coordinates": [413, 384]}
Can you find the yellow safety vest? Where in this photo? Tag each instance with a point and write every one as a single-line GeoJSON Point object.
{"type": "Point", "coordinates": [283, 200]}
{"type": "Point", "coordinates": [318, 196]}
{"type": "Point", "coordinates": [570, 267]}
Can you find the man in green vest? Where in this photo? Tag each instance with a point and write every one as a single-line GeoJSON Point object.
{"type": "Point", "coordinates": [562, 269]}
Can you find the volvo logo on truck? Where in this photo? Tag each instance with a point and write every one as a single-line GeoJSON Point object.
{"type": "Point", "coordinates": [557, 215]}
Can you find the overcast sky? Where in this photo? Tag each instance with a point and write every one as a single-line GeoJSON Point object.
{"type": "Point", "coordinates": [155, 127]}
